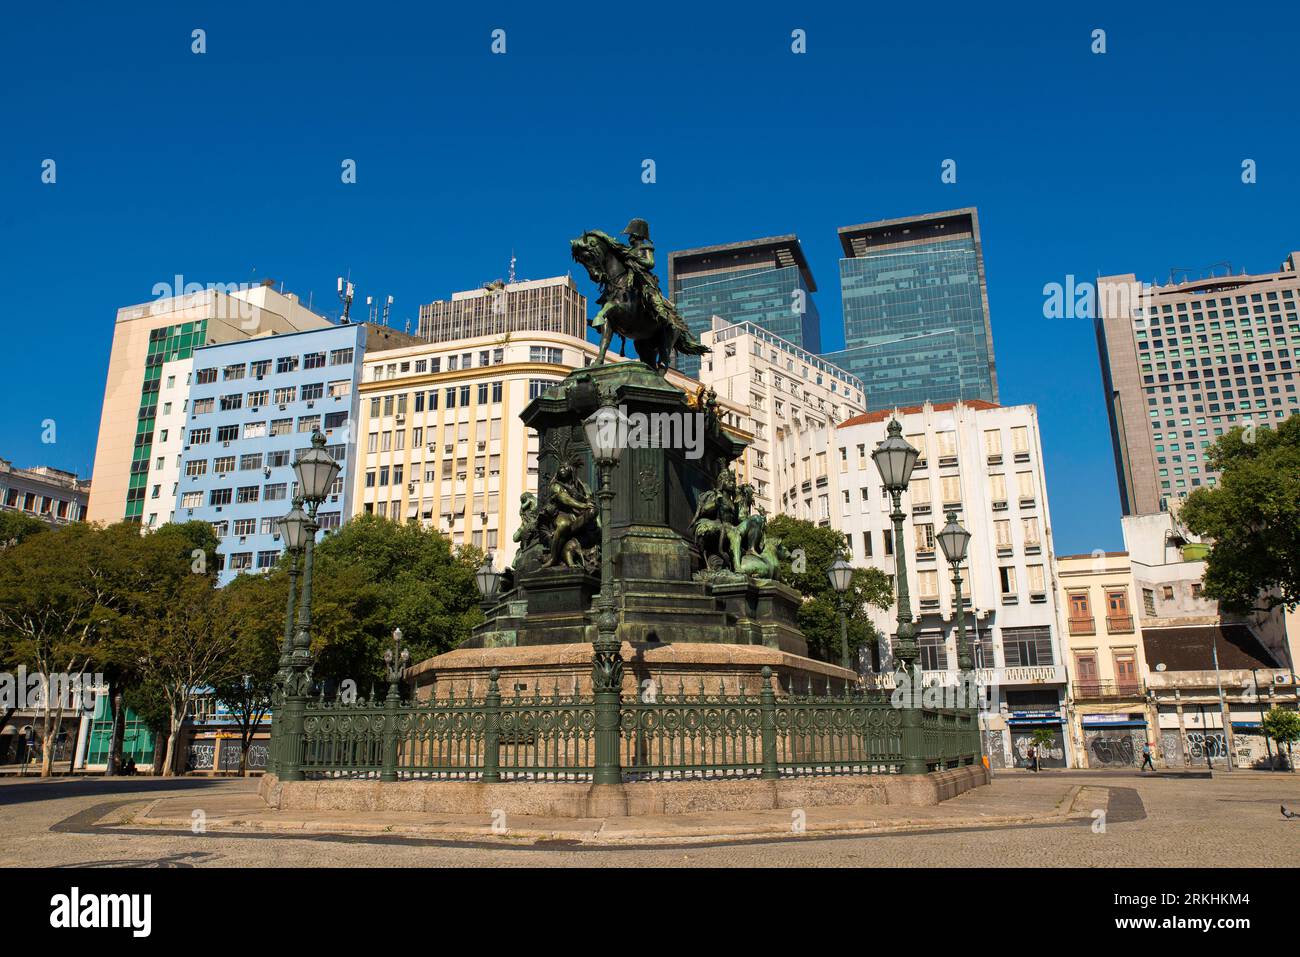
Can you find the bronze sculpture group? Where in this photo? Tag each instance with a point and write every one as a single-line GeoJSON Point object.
{"type": "Point", "coordinates": [730, 532]}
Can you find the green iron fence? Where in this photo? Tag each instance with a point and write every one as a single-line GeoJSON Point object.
{"type": "Point", "coordinates": [665, 736]}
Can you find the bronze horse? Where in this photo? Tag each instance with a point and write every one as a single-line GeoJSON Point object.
{"type": "Point", "coordinates": [631, 303]}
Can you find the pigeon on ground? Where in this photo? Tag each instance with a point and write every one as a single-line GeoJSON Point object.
{"type": "Point", "coordinates": [1289, 814]}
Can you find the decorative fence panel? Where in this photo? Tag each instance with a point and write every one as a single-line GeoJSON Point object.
{"type": "Point", "coordinates": [669, 737]}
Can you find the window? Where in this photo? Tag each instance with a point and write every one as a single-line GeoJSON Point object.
{"type": "Point", "coordinates": [919, 491]}
{"type": "Point", "coordinates": [245, 526]}
{"type": "Point", "coordinates": [192, 500]}
{"type": "Point", "coordinates": [308, 423]}
{"type": "Point", "coordinates": [205, 376]}
{"type": "Point", "coordinates": [1037, 579]}
{"type": "Point", "coordinates": [227, 433]}
{"type": "Point", "coordinates": [1197, 588]}
{"type": "Point", "coordinates": [340, 388]}
{"type": "Point", "coordinates": [281, 426]}
{"type": "Point", "coordinates": [234, 371]}
{"type": "Point", "coordinates": [1149, 602]}
{"type": "Point", "coordinates": [341, 357]}
{"type": "Point", "coordinates": [261, 367]}
{"type": "Point", "coordinates": [924, 538]}
{"type": "Point", "coordinates": [219, 496]}
{"type": "Point", "coordinates": [1007, 576]}
{"type": "Point", "coordinates": [196, 467]}
{"type": "Point", "coordinates": [285, 394]}
{"type": "Point", "coordinates": [1167, 592]}
{"type": "Point", "coordinates": [258, 398]}
{"type": "Point", "coordinates": [203, 406]}
{"type": "Point", "coordinates": [998, 487]}
{"type": "Point", "coordinates": [866, 544]}
{"type": "Point", "coordinates": [1002, 533]}
{"type": "Point", "coordinates": [1026, 647]}
{"type": "Point", "coordinates": [313, 360]}
{"type": "Point", "coordinates": [1030, 526]}
{"type": "Point", "coordinates": [313, 391]}
{"type": "Point", "coordinates": [951, 485]}
{"type": "Point", "coordinates": [933, 652]}
{"type": "Point", "coordinates": [223, 464]}
{"type": "Point", "coordinates": [286, 364]}
{"type": "Point", "coordinates": [947, 444]}
{"type": "Point", "coordinates": [993, 442]}
{"type": "Point", "coordinates": [254, 430]}
{"type": "Point", "coordinates": [928, 583]}
{"type": "Point", "coordinates": [250, 460]}
{"type": "Point", "coordinates": [1025, 484]}
{"type": "Point", "coordinates": [248, 493]}
{"type": "Point", "coordinates": [275, 492]}
{"type": "Point", "coordinates": [1020, 438]}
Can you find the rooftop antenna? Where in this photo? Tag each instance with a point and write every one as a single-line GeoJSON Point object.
{"type": "Point", "coordinates": [345, 296]}
{"type": "Point", "coordinates": [372, 311]}
{"type": "Point", "coordinates": [408, 327]}
{"type": "Point", "coordinates": [388, 305]}
{"type": "Point", "coordinates": [511, 280]}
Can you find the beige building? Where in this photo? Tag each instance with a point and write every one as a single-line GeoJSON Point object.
{"type": "Point", "coordinates": [795, 399]}
{"type": "Point", "coordinates": [500, 308]}
{"type": "Point", "coordinates": [1110, 718]}
{"type": "Point", "coordinates": [1211, 675]}
{"type": "Point", "coordinates": [55, 495]}
{"type": "Point", "coordinates": [1184, 363]}
{"type": "Point", "coordinates": [147, 337]}
{"type": "Point", "coordinates": [440, 440]}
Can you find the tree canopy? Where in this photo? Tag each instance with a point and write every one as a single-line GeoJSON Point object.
{"type": "Point", "coordinates": [1252, 517]}
{"type": "Point", "coordinates": [819, 614]}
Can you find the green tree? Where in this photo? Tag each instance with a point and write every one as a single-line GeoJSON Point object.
{"type": "Point", "coordinates": [61, 601]}
{"type": "Point", "coordinates": [1283, 726]}
{"type": "Point", "coordinates": [374, 575]}
{"type": "Point", "coordinates": [1252, 517]}
{"type": "Point", "coordinates": [248, 613]}
{"type": "Point", "coordinates": [17, 527]}
{"type": "Point", "coordinates": [819, 615]}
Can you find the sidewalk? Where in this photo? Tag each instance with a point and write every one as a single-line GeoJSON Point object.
{"type": "Point", "coordinates": [997, 805]}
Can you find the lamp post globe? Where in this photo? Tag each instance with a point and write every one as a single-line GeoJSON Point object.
{"type": "Point", "coordinates": [953, 540]}
{"type": "Point", "coordinates": [316, 471]}
{"type": "Point", "coordinates": [605, 430]}
{"type": "Point", "coordinates": [841, 574]}
{"type": "Point", "coordinates": [487, 580]}
{"type": "Point", "coordinates": [293, 526]}
{"type": "Point", "coordinates": [895, 458]}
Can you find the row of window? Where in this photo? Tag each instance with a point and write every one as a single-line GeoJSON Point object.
{"type": "Point", "coordinates": [263, 428]}
{"type": "Point", "coordinates": [281, 395]}
{"type": "Point", "coordinates": [284, 364]}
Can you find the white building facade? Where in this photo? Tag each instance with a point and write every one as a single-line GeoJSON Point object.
{"type": "Point", "coordinates": [795, 400]}
{"type": "Point", "coordinates": [985, 463]}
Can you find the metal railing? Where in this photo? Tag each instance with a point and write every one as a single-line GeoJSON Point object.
{"type": "Point", "coordinates": [663, 736]}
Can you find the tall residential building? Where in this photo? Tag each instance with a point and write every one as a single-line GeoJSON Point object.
{"type": "Point", "coordinates": [253, 407]}
{"type": "Point", "coordinates": [440, 441]}
{"type": "Point", "coordinates": [766, 282]}
{"type": "Point", "coordinates": [916, 312]}
{"type": "Point", "coordinates": [500, 308]}
{"type": "Point", "coordinates": [147, 337]}
{"type": "Point", "coordinates": [795, 399]}
{"type": "Point", "coordinates": [54, 495]}
{"type": "Point", "coordinates": [985, 462]}
{"type": "Point", "coordinates": [1183, 363]}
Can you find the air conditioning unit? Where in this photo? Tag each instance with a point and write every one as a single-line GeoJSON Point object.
{"type": "Point", "coordinates": [311, 405]}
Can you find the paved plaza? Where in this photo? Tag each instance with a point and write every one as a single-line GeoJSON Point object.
{"type": "Point", "coordinates": [1064, 818]}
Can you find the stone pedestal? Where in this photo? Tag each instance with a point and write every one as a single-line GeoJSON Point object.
{"type": "Point", "coordinates": [566, 668]}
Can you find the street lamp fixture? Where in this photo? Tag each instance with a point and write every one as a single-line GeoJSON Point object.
{"type": "Point", "coordinates": [488, 580]}
{"type": "Point", "coordinates": [895, 459]}
{"type": "Point", "coordinates": [316, 471]}
{"type": "Point", "coordinates": [605, 437]}
{"type": "Point", "coordinates": [841, 574]}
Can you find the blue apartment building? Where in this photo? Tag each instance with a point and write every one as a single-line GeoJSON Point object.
{"type": "Point", "coordinates": [253, 406]}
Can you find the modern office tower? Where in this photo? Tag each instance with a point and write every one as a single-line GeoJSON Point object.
{"type": "Point", "coordinates": [147, 337]}
{"type": "Point", "coordinates": [795, 400]}
{"type": "Point", "coordinates": [766, 282]}
{"type": "Point", "coordinates": [253, 407]}
{"type": "Point", "coordinates": [440, 440]}
{"type": "Point", "coordinates": [916, 312]}
{"type": "Point", "coordinates": [54, 495]}
{"type": "Point", "coordinates": [498, 308]}
{"type": "Point", "coordinates": [985, 462]}
{"type": "Point", "coordinates": [1183, 363]}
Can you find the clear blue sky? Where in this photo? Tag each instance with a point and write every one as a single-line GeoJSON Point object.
{"type": "Point", "coordinates": [225, 167]}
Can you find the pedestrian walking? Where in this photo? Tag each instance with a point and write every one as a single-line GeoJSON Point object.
{"type": "Point", "coordinates": [1146, 757]}
{"type": "Point", "coordinates": [1033, 758]}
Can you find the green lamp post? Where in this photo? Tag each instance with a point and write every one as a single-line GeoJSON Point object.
{"type": "Point", "coordinates": [603, 436]}
{"type": "Point", "coordinates": [895, 459]}
{"type": "Point", "coordinates": [293, 529]}
{"type": "Point", "coordinates": [954, 542]}
{"type": "Point", "coordinates": [316, 471]}
{"type": "Point", "coordinates": [841, 574]}
{"type": "Point", "coordinates": [488, 581]}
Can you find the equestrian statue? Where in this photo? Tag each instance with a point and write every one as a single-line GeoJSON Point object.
{"type": "Point", "coordinates": [631, 302]}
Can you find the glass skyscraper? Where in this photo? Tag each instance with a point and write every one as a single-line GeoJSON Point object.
{"type": "Point", "coordinates": [763, 281]}
{"type": "Point", "coordinates": [916, 319]}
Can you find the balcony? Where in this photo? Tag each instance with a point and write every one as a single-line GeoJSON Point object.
{"type": "Point", "coordinates": [1119, 624]}
{"type": "Point", "coordinates": [1098, 690]}
{"type": "Point", "coordinates": [1083, 626]}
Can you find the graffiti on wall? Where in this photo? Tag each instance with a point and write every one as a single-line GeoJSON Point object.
{"type": "Point", "coordinates": [1048, 755]}
{"type": "Point", "coordinates": [1113, 748]}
